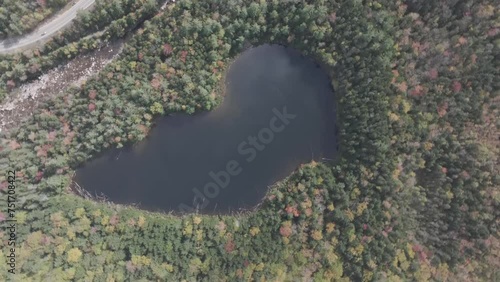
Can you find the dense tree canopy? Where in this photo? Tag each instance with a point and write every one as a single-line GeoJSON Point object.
{"type": "Point", "coordinates": [411, 197]}
{"type": "Point", "coordinates": [20, 16]}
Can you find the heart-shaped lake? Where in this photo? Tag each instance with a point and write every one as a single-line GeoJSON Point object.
{"type": "Point", "coordinates": [278, 113]}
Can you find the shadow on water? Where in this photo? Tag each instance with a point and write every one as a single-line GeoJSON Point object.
{"type": "Point", "coordinates": [278, 113]}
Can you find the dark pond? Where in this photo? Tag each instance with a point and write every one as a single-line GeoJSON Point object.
{"type": "Point", "coordinates": [278, 113]}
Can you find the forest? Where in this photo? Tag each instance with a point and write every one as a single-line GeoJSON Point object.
{"type": "Point", "coordinates": [412, 197]}
{"type": "Point", "coordinates": [21, 16]}
{"type": "Point", "coordinates": [109, 20]}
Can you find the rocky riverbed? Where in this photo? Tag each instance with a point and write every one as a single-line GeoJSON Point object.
{"type": "Point", "coordinates": [23, 102]}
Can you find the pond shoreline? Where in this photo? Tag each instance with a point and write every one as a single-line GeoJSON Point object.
{"type": "Point", "coordinates": [249, 95]}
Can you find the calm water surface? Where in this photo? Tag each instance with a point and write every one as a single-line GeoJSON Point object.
{"type": "Point", "coordinates": [278, 113]}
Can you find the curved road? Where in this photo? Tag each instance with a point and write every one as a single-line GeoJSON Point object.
{"type": "Point", "coordinates": [46, 30]}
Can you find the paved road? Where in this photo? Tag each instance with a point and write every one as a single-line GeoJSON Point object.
{"type": "Point", "coordinates": [45, 31]}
